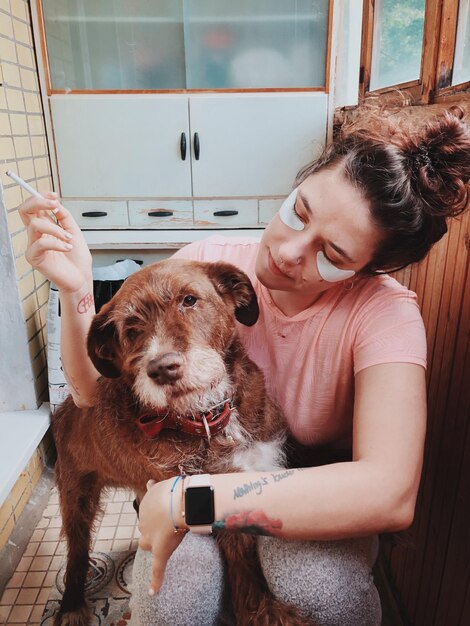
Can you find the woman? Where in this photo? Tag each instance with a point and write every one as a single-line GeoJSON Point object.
{"type": "Point", "coordinates": [343, 350]}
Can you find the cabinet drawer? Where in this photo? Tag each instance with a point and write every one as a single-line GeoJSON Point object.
{"type": "Point", "coordinates": [225, 212]}
{"type": "Point", "coordinates": [161, 213]}
{"type": "Point", "coordinates": [268, 209]}
{"type": "Point", "coordinates": [98, 214]}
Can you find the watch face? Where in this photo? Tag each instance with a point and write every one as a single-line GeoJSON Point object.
{"type": "Point", "coordinates": [199, 506]}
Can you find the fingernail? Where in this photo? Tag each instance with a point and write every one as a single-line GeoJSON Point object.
{"type": "Point", "coordinates": [56, 210]}
{"type": "Point", "coordinates": [151, 591]}
{"type": "Point", "coordinates": [68, 246]}
{"type": "Point", "coordinates": [68, 235]}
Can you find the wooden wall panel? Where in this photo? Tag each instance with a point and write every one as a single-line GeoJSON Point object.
{"type": "Point", "coordinates": [431, 570]}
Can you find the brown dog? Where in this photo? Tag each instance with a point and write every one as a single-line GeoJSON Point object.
{"type": "Point", "coordinates": [167, 347]}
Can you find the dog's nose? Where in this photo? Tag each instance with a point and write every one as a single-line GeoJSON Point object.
{"type": "Point", "coordinates": [166, 369]}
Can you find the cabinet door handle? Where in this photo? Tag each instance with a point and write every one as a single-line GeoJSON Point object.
{"type": "Point", "coordinates": [95, 214]}
{"type": "Point", "coordinates": [197, 146]}
{"type": "Point", "coordinates": [225, 213]}
{"type": "Point", "coordinates": [183, 146]}
{"type": "Point", "coordinates": [160, 213]}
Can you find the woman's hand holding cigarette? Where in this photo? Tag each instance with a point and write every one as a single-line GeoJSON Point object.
{"type": "Point", "coordinates": [57, 250]}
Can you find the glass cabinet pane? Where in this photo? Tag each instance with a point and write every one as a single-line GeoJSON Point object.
{"type": "Point", "coordinates": [115, 44]}
{"type": "Point", "coordinates": [255, 43]}
{"type": "Point", "coordinates": [461, 73]}
{"type": "Point", "coordinates": [397, 42]}
{"type": "Point", "coordinates": [185, 44]}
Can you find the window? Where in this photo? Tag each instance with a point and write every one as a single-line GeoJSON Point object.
{"type": "Point", "coordinates": [397, 42]}
{"type": "Point", "coordinates": [421, 47]}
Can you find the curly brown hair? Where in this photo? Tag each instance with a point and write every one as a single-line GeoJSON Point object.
{"type": "Point", "coordinates": [414, 179]}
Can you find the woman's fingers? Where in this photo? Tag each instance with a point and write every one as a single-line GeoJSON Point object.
{"type": "Point", "coordinates": [35, 252]}
{"type": "Point", "coordinates": [39, 226]}
{"type": "Point", "coordinates": [36, 207]}
{"type": "Point", "coordinates": [158, 574]}
{"type": "Point", "coordinates": [65, 219]}
{"type": "Point", "coordinates": [48, 206]}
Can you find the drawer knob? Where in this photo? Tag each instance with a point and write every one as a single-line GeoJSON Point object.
{"type": "Point", "coordinates": [225, 213]}
{"type": "Point", "coordinates": [159, 213]}
{"type": "Point", "coordinates": [95, 214]}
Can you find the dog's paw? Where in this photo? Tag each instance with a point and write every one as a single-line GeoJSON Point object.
{"type": "Point", "coordinates": [80, 617]}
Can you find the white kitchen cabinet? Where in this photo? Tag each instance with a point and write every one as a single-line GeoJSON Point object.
{"type": "Point", "coordinates": [183, 114]}
{"type": "Point", "coordinates": [186, 44]}
{"type": "Point", "coordinates": [121, 145]}
{"type": "Point", "coordinates": [99, 214]}
{"type": "Point", "coordinates": [228, 212]}
{"type": "Point", "coordinates": [161, 213]}
{"type": "Point", "coordinates": [129, 146]}
{"type": "Point", "coordinates": [267, 210]}
{"type": "Point", "coordinates": [254, 144]}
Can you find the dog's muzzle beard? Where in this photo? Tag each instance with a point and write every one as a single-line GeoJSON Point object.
{"type": "Point", "coordinates": [186, 383]}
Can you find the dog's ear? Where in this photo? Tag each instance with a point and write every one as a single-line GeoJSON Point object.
{"type": "Point", "coordinates": [103, 344]}
{"type": "Point", "coordinates": [229, 280]}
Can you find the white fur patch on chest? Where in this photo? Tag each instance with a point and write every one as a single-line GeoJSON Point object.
{"type": "Point", "coordinates": [261, 456]}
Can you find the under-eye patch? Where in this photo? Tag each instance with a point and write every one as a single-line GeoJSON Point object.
{"type": "Point", "coordinates": [287, 212]}
{"type": "Point", "coordinates": [330, 272]}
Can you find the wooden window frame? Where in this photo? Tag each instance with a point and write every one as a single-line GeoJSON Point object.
{"type": "Point", "coordinates": [437, 57]}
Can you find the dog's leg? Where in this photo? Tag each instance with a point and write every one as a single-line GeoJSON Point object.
{"type": "Point", "coordinates": [79, 501]}
{"type": "Point", "coordinates": [252, 602]}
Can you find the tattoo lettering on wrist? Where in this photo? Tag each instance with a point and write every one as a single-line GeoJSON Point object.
{"type": "Point", "coordinates": [256, 486]}
{"type": "Point", "coordinates": [85, 303]}
{"type": "Point", "coordinates": [251, 522]}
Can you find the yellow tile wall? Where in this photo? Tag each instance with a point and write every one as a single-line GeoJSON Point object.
{"type": "Point", "coordinates": [23, 149]}
{"type": "Point", "coordinates": [23, 488]}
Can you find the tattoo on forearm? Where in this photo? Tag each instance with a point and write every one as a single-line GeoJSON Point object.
{"type": "Point", "coordinates": [70, 381]}
{"type": "Point", "coordinates": [251, 522]}
{"type": "Point", "coordinates": [85, 303]}
{"type": "Point", "coordinates": [257, 486]}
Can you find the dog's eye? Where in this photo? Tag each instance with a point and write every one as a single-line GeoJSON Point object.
{"type": "Point", "coordinates": [189, 301]}
{"type": "Point", "coordinates": [132, 333]}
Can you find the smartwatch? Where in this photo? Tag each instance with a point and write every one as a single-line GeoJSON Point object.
{"type": "Point", "coordinates": [199, 512]}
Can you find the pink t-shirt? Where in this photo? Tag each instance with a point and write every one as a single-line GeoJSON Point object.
{"type": "Point", "coordinates": [309, 360]}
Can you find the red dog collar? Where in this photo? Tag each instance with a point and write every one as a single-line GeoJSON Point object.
{"type": "Point", "coordinates": [204, 425]}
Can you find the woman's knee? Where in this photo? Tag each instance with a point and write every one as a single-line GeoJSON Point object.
{"type": "Point", "coordinates": [330, 582]}
{"type": "Point", "coordinates": [191, 594]}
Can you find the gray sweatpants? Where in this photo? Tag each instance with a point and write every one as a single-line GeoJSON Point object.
{"type": "Point", "coordinates": [330, 581]}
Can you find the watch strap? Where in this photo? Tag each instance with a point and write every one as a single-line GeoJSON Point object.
{"type": "Point", "coordinates": [199, 480]}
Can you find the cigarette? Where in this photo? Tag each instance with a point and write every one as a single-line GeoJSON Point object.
{"type": "Point", "coordinates": [24, 184]}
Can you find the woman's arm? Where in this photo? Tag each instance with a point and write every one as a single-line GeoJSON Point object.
{"type": "Point", "coordinates": [59, 251]}
{"type": "Point", "coordinates": [78, 309]}
{"type": "Point", "coordinates": [376, 492]}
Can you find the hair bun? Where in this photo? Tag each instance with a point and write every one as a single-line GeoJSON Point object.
{"type": "Point", "coordinates": [439, 158]}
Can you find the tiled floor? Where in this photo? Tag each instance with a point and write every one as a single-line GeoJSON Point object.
{"type": "Point", "coordinates": [28, 589]}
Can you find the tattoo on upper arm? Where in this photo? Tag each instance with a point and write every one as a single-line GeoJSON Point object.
{"type": "Point", "coordinates": [257, 486]}
{"type": "Point", "coordinates": [251, 522]}
{"type": "Point", "coordinates": [85, 303]}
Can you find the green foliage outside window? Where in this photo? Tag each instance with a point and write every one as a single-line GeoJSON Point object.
{"type": "Point", "coordinates": [399, 36]}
